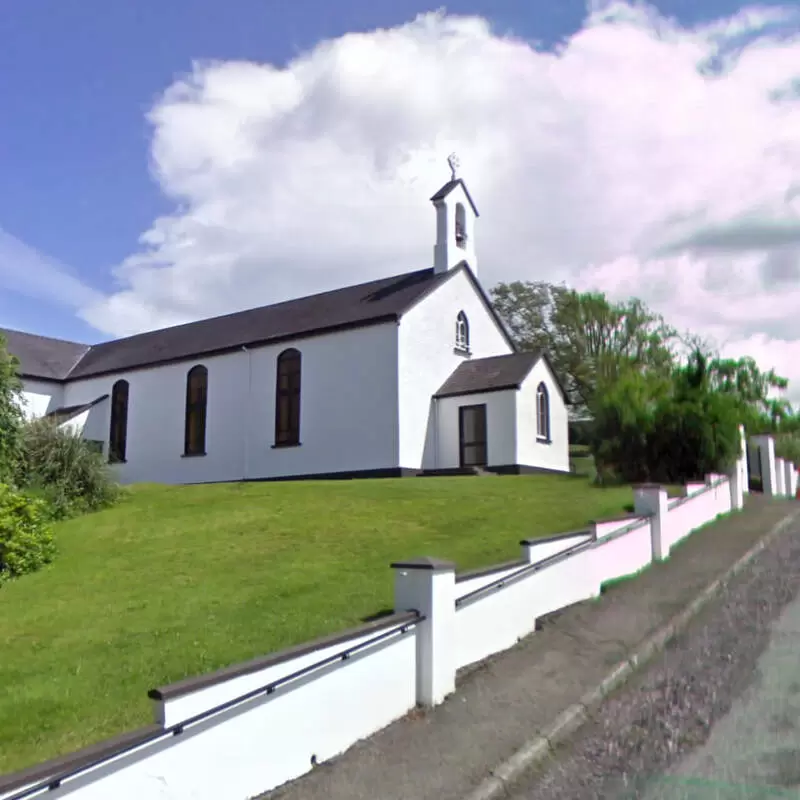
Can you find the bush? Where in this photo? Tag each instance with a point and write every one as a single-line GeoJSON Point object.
{"type": "Point", "coordinates": [10, 414]}
{"type": "Point", "coordinates": [26, 540]}
{"type": "Point", "coordinates": [787, 445]}
{"type": "Point", "coordinates": [694, 437]}
{"type": "Point", "coordinates": [62, 468]}
{"type": "Point", "coordinates": [647, 428]}
{"type": "Point", "coordinates": [623, 424]}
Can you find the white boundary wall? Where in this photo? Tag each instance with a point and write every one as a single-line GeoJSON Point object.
{"type": "Point", "coordinates": [354, 686]}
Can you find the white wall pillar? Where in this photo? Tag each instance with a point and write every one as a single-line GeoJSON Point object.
{"type": "Point", "coordinates": [780, 477]}
{"type": "Point", "coordinates": [428, 586]}
{"type": "Point", "coordinates": [742, 462]}
{"type": "Point", "coordinates": [737, 484]}
{"type": "Point", "coordinates": [793, 481]}
{"type": "Point", "coordinates": [766, 449]}
{"type": "Point", "coordinates": [789, 472]}
{"type": "Point", "coordinates": [651, 500]}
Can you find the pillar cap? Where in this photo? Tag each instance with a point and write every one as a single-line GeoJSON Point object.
{"type": "Point", "coordinates": [425, 562]}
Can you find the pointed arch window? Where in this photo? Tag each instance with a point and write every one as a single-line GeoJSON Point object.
{"type": "Point", "coordinates": [462, 332]}
{"type": "Point", "coordinates": [196, 409]}
{"type": "Point", "coordinates": [461, 226]}
{"type": "Point", "coordinates": [118, 433]}
{"type": "Point", "coordinates": [542, 413]}
{"type": "Point", "coordinates": [287, 398]}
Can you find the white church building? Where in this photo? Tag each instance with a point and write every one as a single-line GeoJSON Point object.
{"type": "Point", "coordinates": [404, 375]}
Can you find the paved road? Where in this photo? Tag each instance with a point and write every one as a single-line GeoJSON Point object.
{"type": "Point", "coordinates": [754, 751]}
{"type": "Point", "coordinates": [442, 754]}
{"type": "Point", "coordinates": [717, 716]}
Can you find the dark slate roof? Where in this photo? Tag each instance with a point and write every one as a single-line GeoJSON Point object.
{"type": "Point", "coordinates": [489, 374]}
{"type": "Point", "coordinates": [41, 356]}
{"type": "Point", "coordinates": [353, 306]}
{"type": "Point", "coordinates": [66, 413]}
{"type": "Point", "coordinates": [449, 186]}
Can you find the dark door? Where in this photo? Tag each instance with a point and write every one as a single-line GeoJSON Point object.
{"type": "Point", "coordinates": [472, 436]}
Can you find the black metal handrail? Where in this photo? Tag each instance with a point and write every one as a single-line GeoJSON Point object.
{"type": "Point", "coordinates": [531, 569]}
{"type": "Point", "coordinates": [679, 501]}
{"type": "Point", "coordinates": [55, 781]}
{"type": "Point", "coordinates": [528, 569]}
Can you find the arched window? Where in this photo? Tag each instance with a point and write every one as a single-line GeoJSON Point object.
{"type": "Point", "coordinates": [462, 331]}
{"type": "Point", "coordinates": [287, 399]}
{"type": "Point", "coordinates": [196, 404]}
{"type": "Point", "coordinates": [118, 434]}
{"type": "Point", "coordinates": [461, 226]}
{"type": "Point", "coordinates": [542, 413]}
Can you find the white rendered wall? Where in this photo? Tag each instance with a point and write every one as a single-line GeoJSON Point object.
{"type": "Point", "coordinates": [271, 739]}
{"type": "Point", "coordinates": [427, 358]}
{"type": "Point", "coordinates": [39, 397]}
{"type": "Point", "coordinates": [537, 551]}
{"type": "Point", "coordinates": [689, 513]}
{"type": "Point", "coordinates": [623, 555]}
{"type": "Point", "coordinates": [531, 452]}
{"type": "Point", "coordinates": [499, 619]}
{"type": "Point", "coordinates": [348, 412]}
{"type": "Point", "coordinates": [500, 427]}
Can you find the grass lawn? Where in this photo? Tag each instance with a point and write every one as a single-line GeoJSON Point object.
{"type": "Point", "coordinates": [177, 581]}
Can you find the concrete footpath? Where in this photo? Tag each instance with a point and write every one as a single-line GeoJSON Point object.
{"type": "Point", "coordinates": [444, 753]}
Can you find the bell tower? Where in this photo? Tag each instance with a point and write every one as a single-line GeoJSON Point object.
{"type": "Point", "coordinates": [455, 223]}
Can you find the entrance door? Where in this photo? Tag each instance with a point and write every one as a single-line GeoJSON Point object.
{"type": "Point", "coordinates": [472, 436]}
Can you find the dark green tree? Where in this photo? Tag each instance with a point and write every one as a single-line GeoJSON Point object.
{"type": "Point", "coordinates": [11, 417]}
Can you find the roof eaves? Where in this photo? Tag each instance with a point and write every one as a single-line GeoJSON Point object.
{"type": "Point", "coordinates": [486, 390]}
{"type": "Point", "coordinates": [564, 396]}
{"type": "Point", "coordinates": [449, 187]}
{"type": "Point", "coordinates": [70, 412]}
{"type": "Point", "coordinates": [366, 323]}
{"type": "Point", "coordinates": [490, 307]}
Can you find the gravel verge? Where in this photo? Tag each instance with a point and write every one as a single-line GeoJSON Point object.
{"type": "Point", "coordinates": [669, 709]}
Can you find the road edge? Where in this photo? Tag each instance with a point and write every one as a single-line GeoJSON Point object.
{"type": "Point", "coordinates": [540, 747]}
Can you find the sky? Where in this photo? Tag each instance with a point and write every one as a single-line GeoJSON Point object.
{"type": "Point", "coordinates": [165, 162]}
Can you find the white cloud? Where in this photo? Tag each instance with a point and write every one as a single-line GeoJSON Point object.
{"type": "Point", "coordinates": [25, 270]}
{"type": "Point", "coordinates": [621, 162]}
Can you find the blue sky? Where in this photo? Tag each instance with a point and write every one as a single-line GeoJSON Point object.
{"type": "Point", "coordinates": [77, 78]}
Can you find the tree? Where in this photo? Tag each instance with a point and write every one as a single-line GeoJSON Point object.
{"type": "Point", "coordinates": [590, 340]}
{"type": "Point", "coordinates": [648, 427]}
{"type": "Point", "coordinates": [758, 394]}
{"type": "Point", "coordinates": [11, 417]}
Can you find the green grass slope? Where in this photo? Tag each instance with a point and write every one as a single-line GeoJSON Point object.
{"type": "Point", "coordinates": [177, 581]}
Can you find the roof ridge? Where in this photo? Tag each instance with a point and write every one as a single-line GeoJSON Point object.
{"type": "Point", "coordinates": [253, 309]}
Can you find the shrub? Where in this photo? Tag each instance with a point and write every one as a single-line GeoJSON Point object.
{"type": "Point", "coordinates": [63, 469]}
{"type": "Point", "coordinates": [10, 414]}
{"type": "Point", "coordinates": [623, 422]}
{"type": "Point", "coordinates": [787, 445]}
{"type": "Point", "coordinates": [648, 428]}
{"type": "Point", "coordinates": [693, 437]}
{"type": "Point", "coordinates": [26, 540]}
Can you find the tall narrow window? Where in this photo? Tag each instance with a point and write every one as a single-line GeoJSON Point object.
{"type": "Point", "coordinates": [461, 226]}
{"type": "Point", "coordinates": [462, 331]}
{"type": "Point", "coordinates": [287, 399]}
{"type": "Point", "coordinates": [118, 434]}
{"type": "Point", "coordinates": [196, 406]}
{"type": "Point", "coordinates": [542, 413]}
